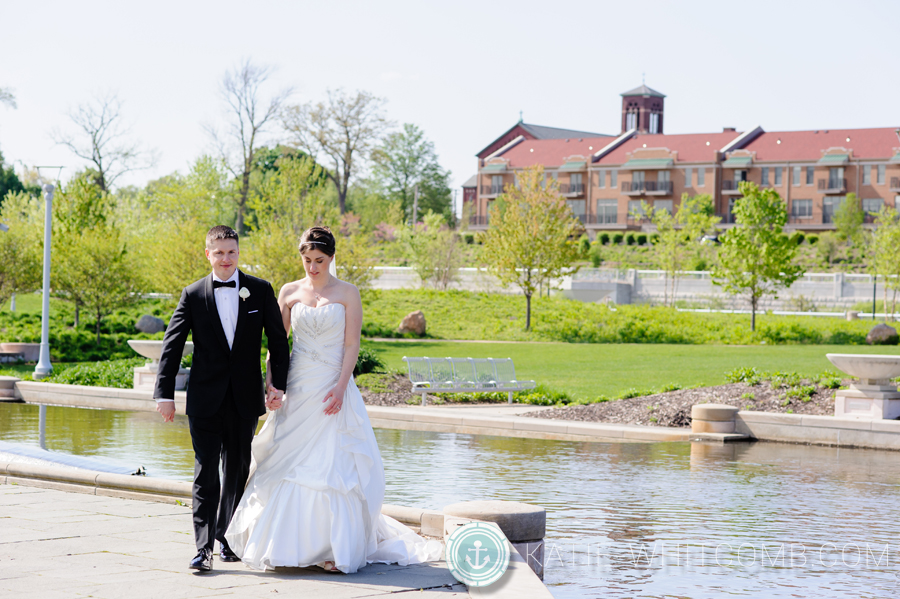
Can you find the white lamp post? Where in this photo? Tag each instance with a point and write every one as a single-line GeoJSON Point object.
{"type": "Point", "coordinates": [44, 368]}
{"type": "Point", "coordinates": [12, 300]}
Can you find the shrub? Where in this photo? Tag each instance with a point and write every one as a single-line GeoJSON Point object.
{"type": "Point", "coordinates": [812, 239]}
{"type": "Point", "coordinates": [654, 238]}
{"type": "Point", "coordinates": [642, 239]}
{"type": "Point", "coordinates": [584, 245]}
{"type": "Point", "coordinates": [751, 376]}
{"type": "Point", "coordinates": [603, 238]}
{"type": "Point", "coordinates": [797, 237]}
{"type": "Point", "coordinates": [630, 238]}
{"type": "Point", "coordinates": [468, 238]}
{"type": "Point", "coordinates": [368, 361]}
{"type": "Point", "coordinates": [617, 238]}
{"type": "Point", "coordinates": [596, 256]}
{"type": "Point", "coordinates": [118, 374]}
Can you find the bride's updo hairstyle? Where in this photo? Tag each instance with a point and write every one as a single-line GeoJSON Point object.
{"type": "Point", "coordinates": [317, 238]}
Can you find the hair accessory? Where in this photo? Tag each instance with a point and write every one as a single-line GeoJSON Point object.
{"type": "Point", "coordinates": [310, 241]}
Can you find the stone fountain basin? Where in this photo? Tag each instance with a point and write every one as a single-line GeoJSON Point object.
{"type": "Point", "coordinates": [868, 368]}
{"type": "Point", "coordinates": [152, 349]}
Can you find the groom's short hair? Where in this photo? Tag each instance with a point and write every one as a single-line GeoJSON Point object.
{"type": "Point", "coordinates": [220, 232]}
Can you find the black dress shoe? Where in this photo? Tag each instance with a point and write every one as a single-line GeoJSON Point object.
{"type": "Point", "coordinates": [227, 555]}
{"type": "Point", "coordinates": [203, 561]}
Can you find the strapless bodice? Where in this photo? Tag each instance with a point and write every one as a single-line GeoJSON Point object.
{"type": "Point", "coordinates": [318, 335]}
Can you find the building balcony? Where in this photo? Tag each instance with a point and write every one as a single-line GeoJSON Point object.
{"type": "Point", "coordinates": [832, 185]}
{"type": "Point", "coordinates": [731, 187]}
{"type": "Point", "coordinates": [800, 219]}
{"type": "Point", "coordinates": [491, 191]}
{"type": "Point", "coordinates": [895, 184]}
{"type": "Point", "coordinates": [601, 219]}
{"type": "Point", "coordinates": [479, 221]}
{"type": "Point", "coordinates": [571, 190]}
{"type": "Point", "coordinates": [648, 188]}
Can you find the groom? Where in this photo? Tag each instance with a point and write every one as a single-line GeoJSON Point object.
{"type": "Point", "coordinates": [226, 312]}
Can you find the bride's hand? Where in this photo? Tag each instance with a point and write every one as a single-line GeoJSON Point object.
{"type": "Point", "coordinates": [336, 395]}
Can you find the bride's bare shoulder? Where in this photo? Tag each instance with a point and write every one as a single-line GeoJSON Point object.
{"type": "Point", "coordinates": [290, 289]}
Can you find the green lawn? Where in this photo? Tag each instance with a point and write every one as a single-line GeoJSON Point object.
{"type": "Point", "coordinates": [586, 371]}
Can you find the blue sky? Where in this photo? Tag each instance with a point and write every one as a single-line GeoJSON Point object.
{"type": "Point", "coordinates": [461, 70]}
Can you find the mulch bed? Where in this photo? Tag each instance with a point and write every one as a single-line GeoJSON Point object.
{"type": "Point", "coordinates": [674, 407]}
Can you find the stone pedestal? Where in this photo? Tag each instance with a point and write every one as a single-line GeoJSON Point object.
{"type": "Point", "coordinates": [523, 524]}
{"type": "Point", "coordinates": [878, 402]}
{"type": "Point", "coordinates": [145, 378]}
{"type": "Point", "coordinates": [713, 418]}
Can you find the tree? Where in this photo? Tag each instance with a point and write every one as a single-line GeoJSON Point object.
{"type": "Point", "coordinates": [249, 116]}
{"type": "Point", "coordinates": [93, 267]}
{"type": "Point", "coordinates": [102, 140]}
{"type": "Point", "coordinates": [289, 200]}
{"type": "Point", "coordinates": [848, 220]}
{"type": "Point", "coordinates": [886, 257]}
{"type": "Point", "coordinates": [756, 257]}
{"type": "Point", "coordinates": [355, 261]}
{"type": "Point", "coordinates": [530, 242]}
{"type": "Point", "coordinates": [434, 250]}
{"type": "Point", "coordinates": [345, 129]}
{"type": "Point", "coordinates": [695, 217]}
{"type": "Point", "coordinates": [10, 183]}
{"type": "Point", "coordinates": [21, 246]}
{"type": "Point", "coordinates": [406, 165]}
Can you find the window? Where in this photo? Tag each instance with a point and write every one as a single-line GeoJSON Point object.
{"type": "Point", "coordinates": [867, 175]}
{"type": "Point", "coordinates": [872, 206]}
{"type": "Point", "coordinates": [701, 173]}
{"type": "Point", "coordinates": [663, 205]}
{"type": "Point", "coordinates": [764, 178]}
{"type": "Point", "coordinates": [663, 176]}
{"type": "Point", "coordinates": [496, 183]}
{"type": "Point", "coordinates": [601, 179]}
{"type": "Point", "coordinates": [796, 182]}
{"type": "Point", "coordinates": [739, 176]}
{"type": "Point", "coordinates": [810, 174]}
{"type": "Point", "coordinates": [829, 205]}
{"type": "Point", "coordinates": [779, 171]}
{"type": "Point", "coordinates": [836, 178]}
{"type": "Point", "coordinates": [635, 210]}
{"type": "Point", "coordinates": [575, 182]}
{"type": "Point", "coordinates": [801, 208]}
{"type": "Point", "coordinates": [637, 176]}
{"type": "Point", "coordinates": [578, 207]}
{"type": "Point", "coordinates": [613, 178]}
{"type": "Point", "coordinates": [631, 120]}
{"type": "Point", "coordinates": [688, 176]}
{"type": "Point", "coordinates": [654, 122]}
{"type": "Point", "coordinates": [607, 211]}
{"type": "Point", "coordinates": [881, 174]}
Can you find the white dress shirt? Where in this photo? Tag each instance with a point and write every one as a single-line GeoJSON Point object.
{"type": "Point", "coordinates": [227, 306]}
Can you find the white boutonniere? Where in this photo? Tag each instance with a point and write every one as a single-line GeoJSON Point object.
{"type": "Point", "coordinates": [244, 293]}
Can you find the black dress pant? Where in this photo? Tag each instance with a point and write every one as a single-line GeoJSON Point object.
{"type": "Point", "coordinates": [227, 435]}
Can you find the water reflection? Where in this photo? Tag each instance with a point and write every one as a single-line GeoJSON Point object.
{"type": "Point", "coordinates": [624, 520]}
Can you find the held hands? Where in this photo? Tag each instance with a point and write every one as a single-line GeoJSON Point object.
{"type": "Point", "coordinates": [336, 395]}
{"type": "Point", "coordinates": [167, 409]}
{"type": "Point", "coordinates": [274, 398]}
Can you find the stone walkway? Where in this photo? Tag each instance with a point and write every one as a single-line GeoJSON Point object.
{"type": "Point", "coordinates": [59, 544]}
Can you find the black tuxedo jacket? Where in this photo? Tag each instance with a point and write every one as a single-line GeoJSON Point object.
{"type": "Point", "coordinates": [214, 365]}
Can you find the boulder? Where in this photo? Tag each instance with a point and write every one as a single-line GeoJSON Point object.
{"type": "Point", "coordinates": [150, 324]}
{"type": "Point", "coordinates": [883, 335]}
{"type": "Point", "coordinates": [414, 322]}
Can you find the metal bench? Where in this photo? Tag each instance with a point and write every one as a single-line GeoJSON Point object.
{"type": "Point", "coordinates": [464, 375]}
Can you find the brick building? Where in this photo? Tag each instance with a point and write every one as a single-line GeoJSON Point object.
{"type": "Point", "coordinates": [605, 177]}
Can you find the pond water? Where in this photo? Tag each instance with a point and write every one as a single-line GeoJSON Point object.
{"type": "Point", "coordinates": [623, 519]}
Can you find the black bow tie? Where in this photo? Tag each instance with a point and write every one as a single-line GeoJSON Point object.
{"type": "Point", "coordinates": [217, 284]}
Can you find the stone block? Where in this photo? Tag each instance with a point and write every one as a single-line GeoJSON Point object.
{"type": "Point", "coordinates": [712, 426]}
{"type": "Point", "coordinates": [713, 412]}
{"type": "Point", "coordinates": [518, 521]}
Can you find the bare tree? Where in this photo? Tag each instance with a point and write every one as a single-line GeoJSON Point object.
{"type": "Point", "coordinates": [7, 97]}
{"type": "Point", "coordinates": [346, 128]}
{"type": "Point", "coordinates": [248, 117]}
{"type": "Point", "coordinates": [103, 139]}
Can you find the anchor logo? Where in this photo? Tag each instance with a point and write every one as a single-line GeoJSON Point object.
{"type": "Point", "coordinates": [478, 565]}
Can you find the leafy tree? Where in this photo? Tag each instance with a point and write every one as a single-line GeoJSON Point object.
{"type": "Point", "coordinates": [406, 166]}
{"type": "Point", "coordinates": [679, 235]}
{"type": "Point", "coordinates": [355, 262]}
{"type": "Point", "coordinates": [345, 128]}
{"type": "Point", "coordinates": [10, 183]}
{"type": "Point", "coordinates": [886, 257]}
{"type": "Point", "coordinates": [434, 250]}
{"type": "Point", "coordinates": [756, 257]}
{"type": "Point", "coordinates": [530, 242]}
{"type": "Point", "coordinates": [92, 267]}
{"type": "Point", "coordinates": [249, 117]}
{"type": "Point", "coordinates": [21, 247]}
{"type": "Point", "coordinates": [848, 220]}
{"type": "Point", "coordinates": [289, 200]}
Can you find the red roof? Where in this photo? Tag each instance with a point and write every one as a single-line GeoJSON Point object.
{"type": "Point", "coordinates": [552, 152]}
{"type": "Point", "coordinates": [691, 147]}
{"type": "Point", "coordinates": [808, 145]}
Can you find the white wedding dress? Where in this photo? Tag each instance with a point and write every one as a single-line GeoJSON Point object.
{"type": "Point", "coordinates": [317, 482]}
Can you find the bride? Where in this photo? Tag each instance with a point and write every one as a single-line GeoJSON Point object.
{"type": "Point", "coordinates": [316, 480]}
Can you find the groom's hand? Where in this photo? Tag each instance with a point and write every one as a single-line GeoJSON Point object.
{"type": "Point", "coordinates": [274, 398]}
{"type": "Point", "coordinates": [167, 409]}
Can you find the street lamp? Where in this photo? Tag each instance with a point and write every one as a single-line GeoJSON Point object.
{"type": "Point", "coordinates": [44, 368]}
